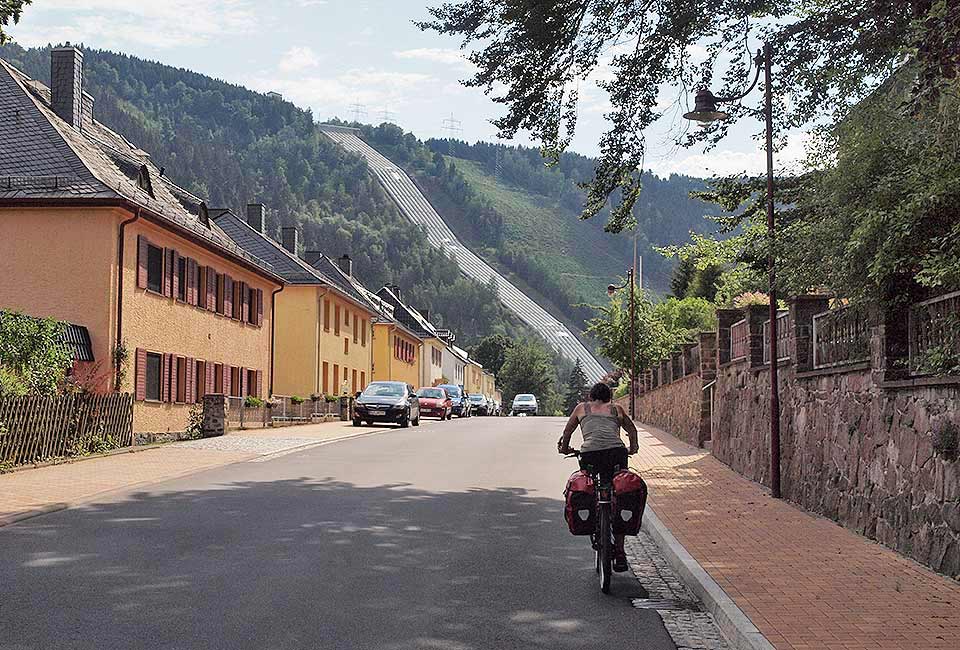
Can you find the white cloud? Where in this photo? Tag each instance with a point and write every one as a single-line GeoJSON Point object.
{"type": "Point", "coordinates": [118, 23]}
{"type": "Point", "coordinates": [443, 55]}
{"type": "Point", "coordinates": [723, 162]}
{"type": "Point", "coordinates": [311, 3]}
{"type": "Point", "coordinates": [333, 95]}
{"type": "Point", "coordinates": [298, 58]}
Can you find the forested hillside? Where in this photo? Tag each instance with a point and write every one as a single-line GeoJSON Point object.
{"type": "Point", "coordinates": [523, 216]}
{"type": "Point", "coordinates": [232, 146]}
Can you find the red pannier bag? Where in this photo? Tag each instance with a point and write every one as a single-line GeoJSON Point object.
{"type": "Point", "coordinates": [580, 511]}
{"type": "Point", "coordinates": [629, 499]}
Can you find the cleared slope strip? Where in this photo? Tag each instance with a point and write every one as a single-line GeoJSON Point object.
{"type": "Point", "coordinates": [419, 210]}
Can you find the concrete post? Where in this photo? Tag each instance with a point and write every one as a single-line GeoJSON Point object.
{"type": "Point", "coordinates": [756, 315]}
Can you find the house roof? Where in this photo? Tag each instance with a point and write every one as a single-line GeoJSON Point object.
{"type": "Point", "coordinates": [407, 315]}
{"type": "Point", "coordinates": [44, 160]}
{"type": "Point", "coordinates": [293, 269]}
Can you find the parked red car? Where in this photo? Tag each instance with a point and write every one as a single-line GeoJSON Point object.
{"type": "Point", "coordinates": [435, 403]}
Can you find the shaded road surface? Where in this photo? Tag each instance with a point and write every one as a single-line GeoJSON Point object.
{"type": "Point", "coordinates": [448, 536]}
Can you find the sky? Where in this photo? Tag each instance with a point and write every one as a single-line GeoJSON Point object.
{"type": "Point", "coordinates": [349, 59]}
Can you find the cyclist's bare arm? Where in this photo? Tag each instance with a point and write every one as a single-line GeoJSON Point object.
{"type": "Point", "coordinates": [630, 428]}
{"type": "Point", "coordinates": [563, 445]}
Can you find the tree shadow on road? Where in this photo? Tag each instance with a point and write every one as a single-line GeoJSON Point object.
{"type": "Point", "coordinates": [313, 564]}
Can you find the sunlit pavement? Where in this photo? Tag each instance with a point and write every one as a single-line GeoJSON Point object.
{"type": "Point", "coordinates": [449, 535]}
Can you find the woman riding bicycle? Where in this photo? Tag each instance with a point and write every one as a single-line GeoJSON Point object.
{"type": "Point", "coordinates": [603, 449]}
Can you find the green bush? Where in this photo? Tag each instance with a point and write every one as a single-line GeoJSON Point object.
{"type": "Point", "coordinates": [330, 398]}
{"type": "Point", "coordinates": [33, 359]}
{"type": "Point", "coordinates": [296, 399]}
{"type": "Point", "coordinates": [195, 422]}
{"type": "Point", "coordinates": [252, 402]}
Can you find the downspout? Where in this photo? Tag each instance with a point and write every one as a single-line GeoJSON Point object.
{"type": "Point", "coordinates": [119, 342]}
{"type": "Point", "coordinates": [273, 332]}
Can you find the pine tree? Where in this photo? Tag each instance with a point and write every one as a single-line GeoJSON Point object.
{"type": "Point", "coordinates": [576, 388]}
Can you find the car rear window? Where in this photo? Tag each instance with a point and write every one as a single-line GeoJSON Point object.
{"type": "Point", "coordinates": [430, 393]}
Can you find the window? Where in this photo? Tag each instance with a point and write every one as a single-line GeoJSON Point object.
{"type": "Point", "coordinates": [336, 379]}
{"type": "Point", "coordinates": [252, 382]}
{"type": "Point", "coordinates": [200, 380]}
{"type": "Point", "coordinates": [326, 378]}
{"type": "Point", "coordinates": [181, 388]}
{"type": "Point", "coordinates": [154, 364]}
{"type": "Point", "coordinates": [201, 281]}
{"type": "Point", "coordinates": [363, 379]}
{"type": "Point", "coordinates": [252, 306]}
{"type": "Point", "coordinates": [346, 316]}
{"type": "Point", "coordinates": [356, 333]}
{"type": "Point", "coordinates": [346, 346]}
{"type": "Point", "coordinates": [154, 268]}
{"type": "Point", "coordinates": [236, 302]}
{"type": "Point", "coordinates": [363, 333]}
{"type": "Point", "coordinates": [336, 320]}
{"type": "Point", "coordinates": [182, 279]}
{"type": "Point", "coordinates": [326, 315]}
{"type": "Point", "coordinates": [235, 382]}
{"type": "Point", "coordinates": [353, 374]}
{"type": "Point", "coordinates": [218, 379]}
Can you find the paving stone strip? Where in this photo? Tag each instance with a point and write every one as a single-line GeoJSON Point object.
{"type": "Point", "coordinates": [688, 625]}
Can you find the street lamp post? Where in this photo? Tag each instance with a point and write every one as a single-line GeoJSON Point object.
{"type": "Point", "coordinates": [612, 289]}
{"type": "Point", "coordinates": [706, 110]}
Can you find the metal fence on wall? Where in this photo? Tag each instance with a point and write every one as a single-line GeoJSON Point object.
{"type": "Point", "coordinates": [934, 327]}
{"type": "Point", "coordinates": [35, 429]}
{"type": "Point", "coordinates": [783, 337]}
{"type": "Point", "coordinates": [739, 340]}
{"type": "Point", "coordinates": [841, 336]}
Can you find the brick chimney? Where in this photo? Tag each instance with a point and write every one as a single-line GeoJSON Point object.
{"type": "Point", "coordinates": [346, 265]}
{"type": "Point", "coordinates": [66, 84]}
{"type": "Point", "coordinates": [313, 257]}
{"type": "Point", "coordinates": [257, 217]}
{"type": "Point", "coordinates": [290, 237]}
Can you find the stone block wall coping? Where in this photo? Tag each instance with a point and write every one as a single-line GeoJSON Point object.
{"type": "Point", "coordinates": [918, 382]}
{"type": "Point", "coordinates": [835, 370]}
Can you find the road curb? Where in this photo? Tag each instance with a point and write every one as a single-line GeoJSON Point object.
{"type": "Point", "coordinates": [9, 520]}
{"type": "Point", "coordinates": [736, 627]}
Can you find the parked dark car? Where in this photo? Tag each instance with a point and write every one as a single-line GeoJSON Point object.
{"type": "Point", "coordinates": [387, 401]}
{"type": "Point", "coordinates": [435, 403]}
{"type": "Point", "coordinates": [458, 400]}
{"type": "Point", "coordinates": [478, 404]}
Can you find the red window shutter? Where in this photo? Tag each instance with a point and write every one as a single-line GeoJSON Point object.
{"type": "Point", "coordinates": [209, 379]}
{"type": "Point", "coordinates": [188, 294]}
{"type": "Point", "coordinates": [227, 379]}
{"type": "Point", "coordinates": [244, 302]}
{"type": "Point", "coordinates": [211, 298]}
{"type": "Point", "coordinates": [165, 388]}
{"type": "Point", "coordinates": [167, 275]}
{"type": "Point", "coordinates": [142, 244]}
{"type": "Point", "coordinates": [174, 363]}
{"type": "Point", "coordinates": [228, 296]}
{"type": "Point", "coordinates": [243, 382]}
{"type": "Point", "coordinates": [141, 380]}
{"type": "Point", "coordinates": [191, 380]}
{"type": "Point", "coordinates": [175, 273]}
{"type": "Point", "coordinates": [259, 387]}
{"type": "Point", "coordinates": [259, 307]}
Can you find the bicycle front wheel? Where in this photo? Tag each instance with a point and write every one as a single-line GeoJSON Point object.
{"type": "Point", "coordinates": [605, 552]}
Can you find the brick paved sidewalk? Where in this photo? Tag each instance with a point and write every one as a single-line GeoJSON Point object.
{"type": "Point", "coordinates": [806, 582]}
{"type": "Point", "coordinates": [56, 487]}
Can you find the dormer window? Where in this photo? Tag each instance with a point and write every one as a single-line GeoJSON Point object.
{"type": "Point", "coordinates": [204, 215]}
{"type": "Point", "coordinates": [143, 181]}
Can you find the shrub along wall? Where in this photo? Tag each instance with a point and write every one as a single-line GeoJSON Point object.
{"type": "Point", "coordinates": [861, 442]}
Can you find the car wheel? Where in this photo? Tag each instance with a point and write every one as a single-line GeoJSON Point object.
{"type": "Point", "coordinates": [405, 420]}
{"type": "Point", "coordinates": [369, 423]}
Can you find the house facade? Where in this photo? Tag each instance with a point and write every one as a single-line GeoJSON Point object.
{"type": "Point", "coordinates": [94, 233]}
{"type": "Point", "coordinates": [396, 353]}
{"type": "Point", "coordinates": [323, 323]}
{"type": "Point", "coordinates": [474, 377]}
{"type": "Point", "coordinates": [454, 364]}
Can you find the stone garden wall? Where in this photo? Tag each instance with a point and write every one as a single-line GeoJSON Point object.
{"type": "Point", "coordinates": [860, 443]}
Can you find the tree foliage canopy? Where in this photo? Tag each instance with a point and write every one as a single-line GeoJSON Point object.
{"type": "Point", "coordinates": [532, 56]}
{"type": "Point", "coordinates": [33, 358]}
{"type": "Point", "coordinates": [10, 12]}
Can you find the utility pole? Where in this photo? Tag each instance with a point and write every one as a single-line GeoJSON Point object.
{"type": "Point", "coordinates": [454, 129]}
{"type": "Point", "coordinates": [359, 110]}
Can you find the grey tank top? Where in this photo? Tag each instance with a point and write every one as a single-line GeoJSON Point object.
{"type": "Point", "coordinates": [600, 430]}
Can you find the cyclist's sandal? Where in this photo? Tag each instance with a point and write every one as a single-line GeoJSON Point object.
{"type": "Point", "coordinates": [620, 563]}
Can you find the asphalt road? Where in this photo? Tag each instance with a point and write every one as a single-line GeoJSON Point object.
{"type": "Point", "coordinates": [449, 536]}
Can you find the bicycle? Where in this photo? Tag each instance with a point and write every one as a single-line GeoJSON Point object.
{"type": "Point", "coordinates": [602, 538]}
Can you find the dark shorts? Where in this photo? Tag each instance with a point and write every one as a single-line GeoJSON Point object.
{"type": "Point", "coordinates": [604, 461]}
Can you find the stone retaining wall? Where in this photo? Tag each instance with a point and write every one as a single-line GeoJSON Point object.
{"type": "Point", "coordinates": [876, 454]}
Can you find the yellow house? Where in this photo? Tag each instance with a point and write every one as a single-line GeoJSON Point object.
{"type": "Point", "coordinates": [324, 324]}
{"type": "Point", "coordinates": [93, 233]}
{"type": "Point", "coordinates": [489, 384]}
{"type": "Point", "coordinates": [396, 353]}
{"type": "Point", "coordinates": [474, 378]}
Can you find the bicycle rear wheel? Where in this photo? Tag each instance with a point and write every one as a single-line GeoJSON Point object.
{"type": "Point", "coordinates": [605, 552]}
